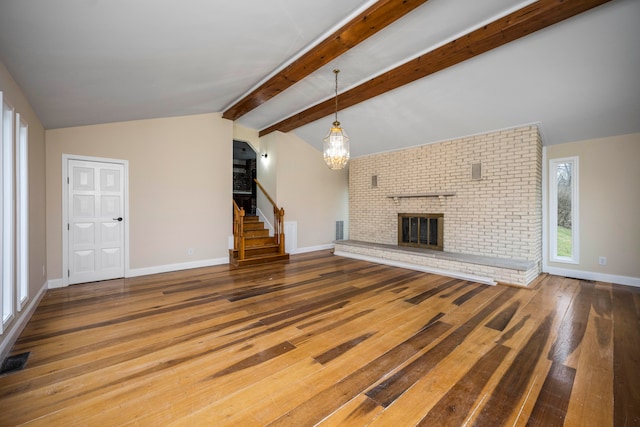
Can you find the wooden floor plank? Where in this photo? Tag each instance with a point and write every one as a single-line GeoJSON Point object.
{"type": "Point", "coordinates": [330, 341]}
{"type": "Point", "coordinates": [551, 405]}
{"type": "Point", "coordinates": [358, 412]}
{"type": "Point", "coordinates": [626, 358]}
{"type": "Point", "coordinates": [318, 339]}
{"type": "Point", "coordinates": [390, 389]}
{"type": "Point", "coordinates": [418, 400]}
{"type": "Point", "coordinates": [326, 402]}
{"type": "Point", "coordinates": [389, 334]}
{"type": "Point", "coordinates": [455, 406]}
{"type": "Point", "coordinates": [503, 400]}
{"type": "Point", "coordinates": [591, 399]}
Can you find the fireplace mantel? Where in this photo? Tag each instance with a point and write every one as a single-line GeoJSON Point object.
{"type": "Point", "coordinates": [407, 196]}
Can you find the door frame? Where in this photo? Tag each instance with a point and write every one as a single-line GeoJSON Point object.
{"type": "Point", "coordinates": [65, 210]}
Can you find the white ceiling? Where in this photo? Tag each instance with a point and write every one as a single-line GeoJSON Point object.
{"type": "Point", "coordinates": [96, 61]}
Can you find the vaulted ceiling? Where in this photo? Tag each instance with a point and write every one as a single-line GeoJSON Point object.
{"type": "Point", "coordinates": [412, 71]}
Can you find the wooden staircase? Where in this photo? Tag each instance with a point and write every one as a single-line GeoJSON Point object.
{"type": "Point", "coordinates": [251, 241]}
{"type": "Point", "coordinates": [259, 247]}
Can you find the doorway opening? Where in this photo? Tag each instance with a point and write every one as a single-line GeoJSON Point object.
{"type": "Point", "coordinates": [244, 173]}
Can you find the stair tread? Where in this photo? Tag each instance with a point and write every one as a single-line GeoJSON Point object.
{"type": "Point", "coordinates": [257, 259]}
{"type": "Point", "coordinates": [261, 256]}
{"type": "Point", "coordinates": [256, 241]}
{"type": "Point", "coordinates": [267, 248]}
{"type": "Point", "coordinates": [260, 230]}
{"type": "Point", "coordinates": [264, 245]}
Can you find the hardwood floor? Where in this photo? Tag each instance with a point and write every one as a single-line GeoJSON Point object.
{"type": "Point", "coordinates": [325, 340]}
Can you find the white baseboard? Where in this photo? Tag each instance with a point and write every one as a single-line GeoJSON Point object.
{"type": "Point", "coordinates": [10, 337]}
{"type": "Point", "coordinates": [590, 275]}
{"type": "Point", "coordinates": [135, 272]}
{"type": "Point", "coordinates": [55, 283]}
{"type": "Point", "coordinates": [313, 249]}
{"type": "Point", "coordinates": [393, 263]}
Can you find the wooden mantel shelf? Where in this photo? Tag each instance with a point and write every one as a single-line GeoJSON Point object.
{"type": "Point", "coordinates": [406, 196]}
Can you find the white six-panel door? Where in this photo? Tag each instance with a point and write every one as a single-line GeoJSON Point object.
{"type": "Point", "coordinates": [95, 230]}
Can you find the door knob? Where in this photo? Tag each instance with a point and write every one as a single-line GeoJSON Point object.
{"type": "Point", "coordinates": [117, 219]}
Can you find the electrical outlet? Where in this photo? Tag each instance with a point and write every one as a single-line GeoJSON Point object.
{"type": "Point", "coordinates": [44, 270]}
{"type": "Point", "coordinates": [602, 260]}
{"type": "Point", "coordinates": [190, 251]}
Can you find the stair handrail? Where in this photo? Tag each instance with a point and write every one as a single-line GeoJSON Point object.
{"type": "Point", "coordinates": [278, 218]}
{"type": "Point", "coordinates": [238, 230]}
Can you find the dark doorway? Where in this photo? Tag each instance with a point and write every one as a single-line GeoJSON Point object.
{"type": "Point", "coordinates": [244, 173]}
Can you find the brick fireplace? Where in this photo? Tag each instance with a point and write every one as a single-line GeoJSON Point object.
{"type": "Point", "coordinates": [488, 187]}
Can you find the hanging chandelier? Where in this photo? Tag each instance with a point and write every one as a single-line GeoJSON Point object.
{"type": "Point", "coordinates": [336, 143]}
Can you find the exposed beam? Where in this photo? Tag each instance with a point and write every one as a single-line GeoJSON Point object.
{"type": "Point", "coordinates": [366, 24]}
{"type": "Point", "coordinates": [523, 22]}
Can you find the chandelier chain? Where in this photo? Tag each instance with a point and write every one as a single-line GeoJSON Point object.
{"type": "Point", "coordinates": [336, 71]}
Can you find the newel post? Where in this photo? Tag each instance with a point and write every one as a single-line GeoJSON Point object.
{"type": "Point", "coordinates": [281, 221]}
{"type": "Point", "coordinates": [241, 235]}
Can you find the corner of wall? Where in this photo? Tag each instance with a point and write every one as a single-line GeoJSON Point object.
{"type": "Point", "coordinates": [8, 339]}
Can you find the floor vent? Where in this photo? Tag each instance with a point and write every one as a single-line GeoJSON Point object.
{"type": "Point", "coordinates": [339, 230]}
{"type": "Point", "coordinates": [14, 363]}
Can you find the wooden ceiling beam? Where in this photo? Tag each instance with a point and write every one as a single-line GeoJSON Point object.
{"type": "Point", "coordinates": [520, 23]}
{"type": "Point", "coordinates": [366, 24]}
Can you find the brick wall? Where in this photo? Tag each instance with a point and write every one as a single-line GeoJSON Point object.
{"type": "Point", "coordinates": [499, 215]}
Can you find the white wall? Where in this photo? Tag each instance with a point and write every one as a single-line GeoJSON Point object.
{"type": "Point", "coordinates": [248, 135]}
{"type": "Point", "coordinates": [609, 208]}
{"type": "Point", "coordinates": [312, 195]}
{"type": "Point", "coordinates": [267, 174]}
{"type": "Point", "coordinates": [180, 187]}
{"type": "Point", "coordinates": [37, 224]}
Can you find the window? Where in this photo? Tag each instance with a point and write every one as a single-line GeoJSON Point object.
{"type": "Point", "coordinates": [22, 211]}
{"type": "Point", "coordinates": [563, 206]}
{"type": "Point", "coordinates": [7, 189]}
{"type": "Point", "coordinates": [14, 213]}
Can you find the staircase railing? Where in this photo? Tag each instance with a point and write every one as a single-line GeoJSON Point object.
{"type": "Point", "coordinates": [278, 219]}
{"type": "Point", "coordinates": [238, 230]}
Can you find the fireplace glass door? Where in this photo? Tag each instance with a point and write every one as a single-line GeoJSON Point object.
{"type": "Point", "coordinates": [421, 230]}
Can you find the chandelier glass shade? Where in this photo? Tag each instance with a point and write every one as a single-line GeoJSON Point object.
{"type": "Point", "coordinates": [336, 143]}
{"type": "Point", "coordinates": [336, 147]}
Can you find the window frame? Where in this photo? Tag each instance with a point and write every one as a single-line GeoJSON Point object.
{"type": "Point", "coordinates": [553, 211]}
{"type": "Point", "coordinates": [7, 188]}
{"type": "Point", "coordinates": [22, 211]}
